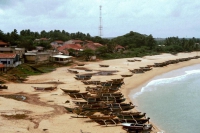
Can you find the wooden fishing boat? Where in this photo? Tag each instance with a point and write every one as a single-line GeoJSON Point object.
{"type": "Point", "coordinates": [103, 89]}
{"type": "Point", "coordinates": [3, 86]}
{"type": "Point", "coordinates": [101, 65]}
{"type": "Point", "coordinates": [82, 113]}
{"type": "Point", "coordinates": [93, 105]}
{"type": "Point", "coordinates": [150, 66]}
{"type": "Point", "coordinates": [129, 112]}
{"type": "Point", "coordinates": [44, 88]}
{"type": "Point", "coordinates": [88, 70]}
{"type": "Point", "coordinates": [130, 116]}
{"type": "Point", "coordinates": [146, 68]}
{"type": "Point", "coordinates": [78, 95]}
{"type": "Point", "coordinates": [112, 83]}
{"type": "Point", "coordinates": [105, 99]}
{"type": "Point", "coordinates": [131, 60]}
{"type": "Point", "coordinates": [137, 71]}
{"type": "Point", "coordinates": [102, 117]}
{"type": "Point", "coordinates": [92, 88]}
{"type": "Point", "coordinates": [112, 99]}
{"type": "Point", "coordinates": [136, 120]}
{"type": "Point", "coordinates": [82, 78]}
{"type": "Point", "coordinates": [73, 71]}
{"type": "Point", "coordinates": [107, 122]}
{"type": "Point", "coordinates": [137, 60]}
{"type": "Point", "coordinates": [79, 103]}
{"type": "Point", "coordinates": [119, 94]}
{"type": "Point", "coordinates": [91, 82]}
{"type": "Point", "coordinates": [120, 106]}
{"type": "Point", "coordinates": [159, 64]}
{"type": "Point", "coordinates": [136, 127]}
{"type": "Point", "coordinates": [97, 109]}
{"type": "Point", "coordinates": [118, 80]}
{"type": "Point", "coordinates": [70, 91]}
{"type": "Point", "coordinates": [126, 75]}
{"type": "Point", "coordinates": [84, 75]}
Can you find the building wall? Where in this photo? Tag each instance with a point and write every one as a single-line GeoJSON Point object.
{"type": "Point", "coordinates": [19, 51]}
{"type": "Point", "coordinates": [10, 62]}
{"type": "Point", "coordinates": [61, 60]}
{"type": "Point", "coordinates": [42, 57]}
{"type": "Point", "coordinates": [30, 58]}
{"type": "Point", "coordinates": [37, 58]}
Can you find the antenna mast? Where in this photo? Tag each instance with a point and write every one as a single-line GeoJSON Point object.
{"type": "Point", "coordinates": [100, 26]}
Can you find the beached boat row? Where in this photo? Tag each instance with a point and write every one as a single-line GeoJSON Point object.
{"type": "Point", "coordinates": [141, 69]}
{"type": "Point", "coordinates": [162, 64]}
{"type": "Point", "coordinates": [105, 105]}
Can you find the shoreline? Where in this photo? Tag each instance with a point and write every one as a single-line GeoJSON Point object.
{"type": "Point", "coordinates": [41, 112]}
{"type": "Point", "coordinates": [151, 75]}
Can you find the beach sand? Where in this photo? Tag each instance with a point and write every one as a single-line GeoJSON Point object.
{"type": "Point", "coordinates": [45, 109]}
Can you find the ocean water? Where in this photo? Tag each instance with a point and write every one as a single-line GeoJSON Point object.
{"type": "Point", "coordinates": [172, 100]}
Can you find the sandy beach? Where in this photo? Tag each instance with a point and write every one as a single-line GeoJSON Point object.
{"type": "Point", "coordinates": [45, 109]}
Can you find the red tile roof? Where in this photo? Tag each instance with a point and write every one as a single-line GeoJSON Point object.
{"type": "Point", "coordinates": [70, 46]}
{"type": "Point", "coordinates": [1, 66]}
{"type": "Point", "coordinates": [3, 43]}
{"type": "Point", "coordinates": [7, 55]}
{"type": "Point", "coordinates": [92, 46]}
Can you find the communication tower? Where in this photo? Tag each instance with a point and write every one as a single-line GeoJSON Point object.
{"type": "Point", "coordinates": [100, 26]}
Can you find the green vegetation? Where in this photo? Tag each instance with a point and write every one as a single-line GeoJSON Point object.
{"type": "Point", "coordinates": [135, 44]}
{"type": "Point", "coordinates": [21, 72]}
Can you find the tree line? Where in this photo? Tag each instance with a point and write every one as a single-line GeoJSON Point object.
{"type": "Point", "coordinates": [135, 44]}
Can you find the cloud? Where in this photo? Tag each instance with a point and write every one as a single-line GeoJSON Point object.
{"type": "Point", "coordinates": [161, 18]}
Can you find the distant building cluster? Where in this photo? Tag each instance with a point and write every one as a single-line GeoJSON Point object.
{"type": "Point", "coordinates": [61, 52]}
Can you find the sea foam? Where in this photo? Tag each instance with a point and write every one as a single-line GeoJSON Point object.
{"type": "Point", "coordinates": [155, 83]}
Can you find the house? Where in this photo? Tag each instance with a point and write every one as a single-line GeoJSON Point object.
{"type": "Point", "coordinates": [57, 42]}
{"type": "Point", "coordinates": [92, 46]}
{"type": "Point", "coordinates": [36, 57]}
{"type": "Point", "coordinates": [19, 51]}
{"type": "Point", "coordinates": [15, 50]}
{"type": "Point", "coordinates": [6, 50]}
{"type": "Point", "coordinates": [66, 47]}
{"type": "Point", "coordinates": [63, 59]}
{"type": "Point", "coordinates": [74, 42]}
{"type": "Point", "coordinates": [1, 68]}
{"type": "Point", "coordinates": [39, 48]}
{"type": "Point", "coordinates": [4, 44]}
{"type": "Point", "coordinates": [9, 60]}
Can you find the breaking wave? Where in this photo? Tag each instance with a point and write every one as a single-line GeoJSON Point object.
{"type": "Point", "coordinates": [157, 83]}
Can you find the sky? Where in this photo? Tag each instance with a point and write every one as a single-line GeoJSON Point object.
{"type": "Point", "coordinates": [160, 18]}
